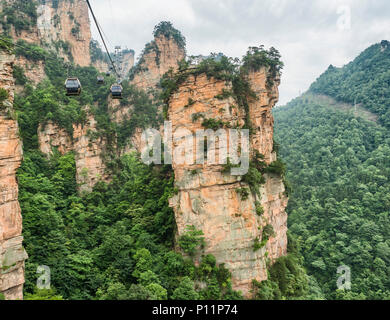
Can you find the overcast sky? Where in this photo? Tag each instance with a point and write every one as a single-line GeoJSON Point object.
{"type": "Point", "coordinates": [310, 34]}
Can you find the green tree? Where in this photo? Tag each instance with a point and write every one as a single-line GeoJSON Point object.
{"type": "Point", "coordinates": [185, 290]}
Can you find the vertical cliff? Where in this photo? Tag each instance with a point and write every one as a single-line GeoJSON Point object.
{"type": "Point", "coordinates": [89, 150]}
{"type": "Point", "coordinates": [66, 24]}
{"type": "Point", "coordinates": [12, 254]}
{"type": "Point", "coordinates": [126, 62]}
{"type": "Point", "coordinates": [163, 53]}
{"type": "Point", "coordinates": [61, 25]}
{"type": "Point", "coordinates": [237, 229]}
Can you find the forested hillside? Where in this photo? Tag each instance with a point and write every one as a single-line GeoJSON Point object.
{"type": "Point", "coordinates": [365, 81]}
{"type": "Point", "coordinates": [339, 170]}
{"type": "Point", "coordinates": [338, 164]}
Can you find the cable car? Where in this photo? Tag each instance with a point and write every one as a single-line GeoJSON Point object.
{"type": "Point", "coordinates": [73, 87]}
{"type": "Point", "coordinates": [116, 91]}
{"type": "Point", "coordinates": [108, 73]}
{"type": "Point", "coordinates": [100, 80]}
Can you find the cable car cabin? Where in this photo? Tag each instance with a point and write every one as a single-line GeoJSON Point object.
{"type": "Point", "coordinates": [108, 73]}
{"type": "Point", "coordinates": [100, 80]}
{"type": "Point", "coordinates": [116, 91]}
{"type": "Point", "coordinates": [73, 87]}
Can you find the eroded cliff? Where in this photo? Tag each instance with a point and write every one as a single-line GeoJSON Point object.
{"type": "Point", "coordinates": [12, 254]}
{"type": "Point", "coordinates": [160, 55]}
{"type": "Point", "coordinates": [66, 24]}
{"type": "Point", "coordinates": [241, 230]}
{"type": "Point", "coordinates": [62, 26]}
{"type": "Point", "coordinates": [88, 149]}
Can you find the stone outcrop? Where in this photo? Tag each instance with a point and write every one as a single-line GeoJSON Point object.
{"type": "Point", "coordinates": [159, 56]}
{"type": "Point", "coordinates": [12, 254]}
{"type": "Point", "coordinates": [33, 70]}
{"type": "Point", "coordinates": [120, 113]}
{"type": "Point", "coordinates": [68, 21]}
{"type": "Point", "coordinates": [30, 35]}
{"type": "Point", "coordinates": [208, 198]}
{"type": "Point", "coordinates": [385, 44]}
{"type": "Point", "coordinates": [63, 22]}
{"type": "Point", "coordinates": [52, 136]}
{"type": "Point", "coordinates": [90, 167]}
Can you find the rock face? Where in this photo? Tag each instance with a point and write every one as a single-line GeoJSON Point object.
{"type": "Point", "coordinates": [59, 24]}
{"type": "Point", "coordinates": [208, 198]}
{"type": "Point", "coordinates": [66, 21]}
{"type": "Point", "coordinates": [159, 56]}
{"type": "Point", "coordinates": [90, 167]}
{"type": "Point", "coordinates": [63, 26]}
{"type": "Point", "coordinates": [12, 254]}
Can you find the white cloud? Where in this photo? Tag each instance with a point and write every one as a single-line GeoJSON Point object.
{"type": "Point", "coordinates": [305, 31]}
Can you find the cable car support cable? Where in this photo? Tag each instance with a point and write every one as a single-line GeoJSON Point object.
{"type": "Point", "coordinates": [101, 36]}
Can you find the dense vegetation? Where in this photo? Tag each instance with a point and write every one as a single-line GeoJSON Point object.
{"type": "Point", "coordinates": [6, 44]}
{"type": "Point", "coordinates": [339, 169]}
{"type": "Point", "coordinates": [20, 14]}
{"type": "Point", "coordinates": [287, 279]}
{"type": "Point", "coordinates": [114, 243]}
{"type": "Point", "coordinates": [366, 81]}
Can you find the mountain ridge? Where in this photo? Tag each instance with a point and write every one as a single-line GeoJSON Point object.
{"type": "Point", "coordinates": [365, 80]}
{"type": "Point", "coordinates": [338, 165]}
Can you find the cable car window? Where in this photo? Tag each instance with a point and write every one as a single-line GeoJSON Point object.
{"type": "Point", "coordinates": [72, 83]}
{"type": "Point", "coordinates": [116, 89]}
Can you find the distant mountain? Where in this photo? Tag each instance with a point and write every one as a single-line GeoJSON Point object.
{"type": "Point", "coordinates": [338, 165]}
{"type": "Point", "coordinates": [365, 81]}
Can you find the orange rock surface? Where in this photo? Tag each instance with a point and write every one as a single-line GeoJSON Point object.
{"type": "Point", "coordinates": [68, 23]}
{"type": "Point", "coordinates": [158, 61]}
{"type": "Point", "coordinates": [90, 167]}
{"type": "Point", "coordinates": [207, 197]}
{"type": "Point", "coordinates": [12, 254]}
